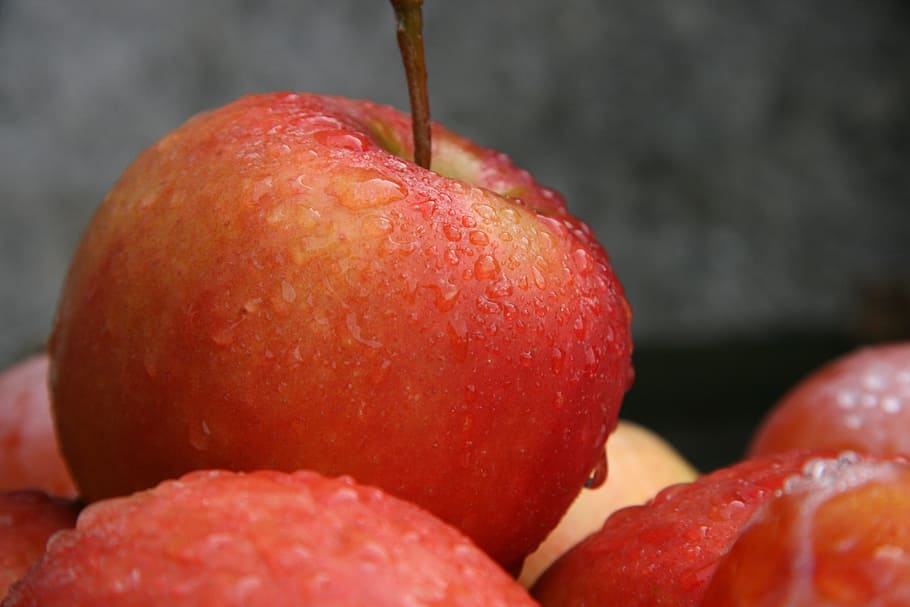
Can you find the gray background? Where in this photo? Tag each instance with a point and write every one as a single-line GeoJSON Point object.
{"type": "Point", "coordinates": [746, 164]}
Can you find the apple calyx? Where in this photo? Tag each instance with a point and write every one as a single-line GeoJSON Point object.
{"type": "Point", "coordinates": [409, 17]}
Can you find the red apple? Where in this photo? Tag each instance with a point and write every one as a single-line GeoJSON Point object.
{"type": "Point", "coordinates": [275, 285]}
{"type": "Point", "coordinates": [664, 552]}
{"type": "Point", "coordinates": [641, 464]}
{"type": "Point", "coordinates": [263, 539]}
{"type": "Point", "coordinates": [840, 536]}
{"type": "Point", "coordinates": [28, 518]}
{"type": "Point", "coordinates": [29, 455]}
{"type": "Point", "coordinates": [861, 402]}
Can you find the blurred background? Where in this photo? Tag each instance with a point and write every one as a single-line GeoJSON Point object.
{"type": "Point", "coordinates": [746, 164]}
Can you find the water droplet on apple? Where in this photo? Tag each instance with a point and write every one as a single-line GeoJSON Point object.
{"type": "Point", "coordinates": [485, 267]}
{"type": "Point", "coordinates": [891, 404]}
{"type": "Point", "coordinates": [540, 281]}
{"type": "Point", "coordinates": [354, 329]}
{"type": "Point", "coordinates": [499, 288]}
{"type": "Point", "coordinates": [599, 475]}
{"type": "Point", "coordinates": [377, 225]}
{"type": "Point", "coordinates": [478, 238]}
{"type": "Point", "coordinates": [583, 261]}
{"type": "Point", "coordinates": [365, 188]}
{"type": "Point", "coordinates": [200, 436]}
{"type": "Point", "coordinates": [488, 306]}
{"type": "Point", "coordinates": [557, 360]}
{"type": "Point", "coordinates": [288, 294]}
{"type": "Point", "coordinates": [579, 328]}
{"type": "Point", "coordinates": [452, 256]}
{"type": "Point", "coordinates": [510, 215]}
{"type": "Point", "coordinates": [341, 139]}
{"type": "Point", "coordinates": [485, 211]}
{"type": "Point", "coordinates": [452, 233]}
{"type": "Point", "coordinates": [526, 359]}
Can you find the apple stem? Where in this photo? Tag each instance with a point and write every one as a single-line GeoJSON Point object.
{"type": "Point", "coordinates": [410, 41]}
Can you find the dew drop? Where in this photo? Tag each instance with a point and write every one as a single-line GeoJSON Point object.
{"type": "Point", "coordinates": [525, 359]}
{"type": "Point", "coordinates": [478, 238]}
{"type": "Point", "coordinates": [847, 399]}
{"type": "Point", "coordinates": [452, 233]}
{"type": "Point", "coordinates": [578, 327]}
{"type": "Point", "coordinates": [854, 422]}
{"type": "Point", "coordinates": [499, 288]}
{"type": "Point", "coordinates": [341, 139]}
{"type": "Point", "coordinates": [510, 215]}
{"type": "Point", "coordinates": [540, 281]}
{"type": "Point", "coordinates": [488, 306]}
{"type": "Point", "coordinates": [485, 211]}
{"type": "Point", "coordinates": [557, 360]}
{"type": "Point", "coordinates": [891, 404]}
{"type": "Point", "coordinates": [288, 294]}
{"type": "Point", "coordinates": [355, 331]}
{"type": "Point", "coordinates": [583, 261]}
{"type": "Point", "coordinates": [377, 225]}
{"type": "Point", "coordinates": [599, 474]}
{"type": "Point", "coordinates": [200, 436]}
{"type": "Point", "coordinates": [874, 381]}
{"type": "Point", "coordinates": [485, 267]}
{"type": "Point", "coordinates": [365, 188]}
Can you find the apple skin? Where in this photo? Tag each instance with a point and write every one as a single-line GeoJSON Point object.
{"type": "Point", "coordinates": [840, 536]}
{"type": "Point", "coordinates": [263, 539]}
{"type": "Point", "coordinates": [665, 551]}
{"type": "Point", "coordinates": [859, 401]}
{"type": "Point", "coordinates": [29, 455]}
{"type": "Point", "coordinates": [28, 519]}
{"type": "Point", "coordinates": [273, 285]}
{"type": "Point", "coordinates": [641, 464]}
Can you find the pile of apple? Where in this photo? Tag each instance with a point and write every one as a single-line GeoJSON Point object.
{"type": "Point", "coordinates": [292, 366]}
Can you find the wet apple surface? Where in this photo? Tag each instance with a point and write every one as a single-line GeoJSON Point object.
{"type": "Point", "coordinates": [29, 455]}
{"type": "Point", "coordinates": [860, 401]}
{"type": "Point", "coordinates": [839, 535]}
{"type": "Point", "coordinates": [274, 285]}
{"type": "Point", "coordinates": [263, 539]}
{"type": "Point", "coordinates": [28, 518]}
{"type": "Point", "coordinates": [665, 552]}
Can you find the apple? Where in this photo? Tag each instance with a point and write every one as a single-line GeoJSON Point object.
{"type": "Point", "coordinates": [28, 519]}
{"type": "Point", "coordinates": [275, 284]}
{"type": "Point", "coordinates": [838, 536]}
{"type": "Point", "coordinates": [860, 401]}
{"type": "Point", "coordinates": [29, 455]}
{"type": "Point", "coordinates": [641, 464]}
{"type": "Point", "coordinates": [263, 539]}
{"type": "Point", "coordinates": [665, 551]}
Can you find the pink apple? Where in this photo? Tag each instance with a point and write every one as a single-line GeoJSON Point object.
{"type": "Point", "coordinates": [29, 455]}
{"type": "Point", "coordinates": [276, 285]}
{"type": "Point", "coordinates": [859, 401]}
{"type": "Point", "coordinates": [28, 519]}
{"type": "Point", "coordinates": [263, 539]}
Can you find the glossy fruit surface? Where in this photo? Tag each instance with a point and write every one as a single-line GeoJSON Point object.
{"type": "Point", "coordinates": [839, 537]}
{"type": "Point", "coordinates": [664, 552]}
{"type": "Point", "coordinates": [641, 464]}
{"type": "Point", "coordinates": [29, 455]}
{"type": "Point", "coordinates": [28, 518]}
{"type": "Point", "coordinates": [263, 539]}
{"type": "Point", "coordinates": [859, 402]}
{"type": "Point", "coordinates": [273, 285]}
